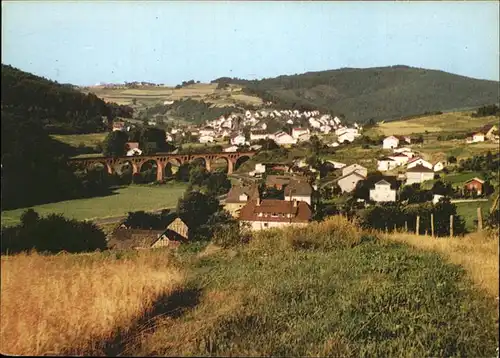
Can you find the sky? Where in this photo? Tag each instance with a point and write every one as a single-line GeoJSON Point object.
{"type": "Point", "coordinates": [85, 43]}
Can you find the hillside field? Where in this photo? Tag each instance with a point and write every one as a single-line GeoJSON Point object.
{"type": "Point", "coordinates": [74, 140]}
{"type": "Point", "coordinates": [329, 289]}
{"type": "Point", "coordinates": [119, 203]}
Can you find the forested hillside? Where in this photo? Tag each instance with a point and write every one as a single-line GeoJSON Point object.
{"type": "Point", "coordinates": [59, 108]}
{"type": "Point", "coordinates": [382, 93]}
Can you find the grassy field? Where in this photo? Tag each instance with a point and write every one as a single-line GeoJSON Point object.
{"type": "Point", "coordinates": [328, 289]}
{"type": "Point", "coordinates": [457, 121]}
{"type": "Point", "coordinates": [123, 200]}
{"type": "Point", "coordinates": [89, 140]}
{"type": "Point", "coordinates": [469, 212]}
{"type": "Point", "coordinates": [76, 303]}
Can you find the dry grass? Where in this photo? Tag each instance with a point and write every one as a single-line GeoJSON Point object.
{"type": "Point", "coordinates": [72, 303]}
{"type": "Point", "coordinates": [477, 253]}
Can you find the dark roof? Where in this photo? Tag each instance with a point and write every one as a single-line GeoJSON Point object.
{"type": "Point", "coordinates": [282, 179]}
{"type": "Point", "coordinates": [419, 168]}
{"type": "Point", "coordinates": [234, 193]}
{"type": "Point", "coordinates": [122, 238]}
{"type": "Point", "coordinates": [298, 188]}
{"type": "Point", "coordinates": [351, 173]}
{"type": "Point", "coordinates": [300, 213]}
{"type": "Point", "coordinates": [387, 158]}
{"type": "Point", "coordinates": [382, 182]}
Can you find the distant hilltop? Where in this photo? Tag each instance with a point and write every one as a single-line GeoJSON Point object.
{"type": "Point", "coordinates": [134, 84]}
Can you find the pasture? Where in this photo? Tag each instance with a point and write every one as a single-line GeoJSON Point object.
{"type": "Point", "coordinates": [119, 203]}
{"type": "Point", "coordinates": [455, 121]}
{"type": "Point", "coordinates": [74, 140]}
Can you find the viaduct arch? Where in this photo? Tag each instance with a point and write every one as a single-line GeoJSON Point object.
{"type": "Point", "coordinates": [110, 163]}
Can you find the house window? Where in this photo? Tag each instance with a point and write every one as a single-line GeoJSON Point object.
{"type": "Point", "coordinates": [266, 224]}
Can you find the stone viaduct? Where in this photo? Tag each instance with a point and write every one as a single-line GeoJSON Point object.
{"type": "Point", "coordinates": [233, 160]}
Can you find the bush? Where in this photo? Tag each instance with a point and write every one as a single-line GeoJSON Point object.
{"type": "Point", "coordinates": [52, 234]}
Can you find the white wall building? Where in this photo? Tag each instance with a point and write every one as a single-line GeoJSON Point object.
{"type": "Point", "coordinates": [355, 168]}
{"type": "Point", "coordinates": [297, 132]}
{"type": "Point", "coordinates": [206, 139]}
{"type": "Point", "coordinates": [386, 163]}
{"type": "Point", "coordinates": [238, 140]}
{"type": "Point", "coordinates": [382, 192]}
{"type": "Point", "coordinates": [282, 138]}
{"type": "Point", "coordinates": [419, 161]}
{"type": "Point", "coordinates": [418, 174]}
{"type": "Point", "coordinates": [390, 142]}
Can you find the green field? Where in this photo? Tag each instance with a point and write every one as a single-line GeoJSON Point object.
{"type": "Point", "coordinates": [89, 140]}
{"type": "Point", "coordinates": [469, 212]}
{"type": "Point", "coordinates": [123, 200]}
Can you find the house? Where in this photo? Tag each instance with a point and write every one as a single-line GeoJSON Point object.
{"type": "Point", "coordinates": [133, 151]}
{"type": "Point", "coordinates": [207, 131]}
{"type": "Point", "coordinates": [399, 158]}
{"type": "Point", "coordinates": [419, 174]}
{"type": "Point", "coordinates": [489, 131]}
{"type": "Point", "coordinates": [271, 213]}
{"type": "Point", "coordinates": [297, 132]}
{"type": "Point", "coordinates": [436, 197]}
{"type": "Point", "coordinates": [300, 191]}
{"type": "Point", "coordinates": [238, 139]}
{"type": "Point", "coordinates": [206, 139]}
{"type": "Point", "coordinates": [231, 149]}
{"type": "Point", "coordinates": [477, 137]}
{"type": "Point", "coordinates": [260, 134]}
{"type": "Point", "coordinates": [280, 181]}
{"type": "Point", "coordinates": [336, 165]}
{"type": "Point", "coordinates": [355, 168]}
{"type": "Point", "coordinates": [174, 234]}
{"type": "Point", "coordinates": [348, 182]}
{"type": "Point", "coordinates": [238, 196]}
{"type": "Point", "coordinates": [382, 192]}
{"type": "Point", "coordinates": [386, 163]}
{"type": "Point", "coordinates": [418, 161]}
{"type": "Point", "coordinates": [474, 184]}
{"type": "Point", "coordinates": [390, 142]}
{"type": "Point", "coordinates": [304, 137]}
{"type": "Point", "coordinates": [131, 145]}
{"type": "Point", "coordinates": [118, 126]}
{"type": "Point", "coordinates": [439, 166]}
{"type": "Point", "coordinates": [284, 139]}
{"type": "Point", "coordinates": [346, 137]}
{"type": "Point", "coordinates": [401, 150]}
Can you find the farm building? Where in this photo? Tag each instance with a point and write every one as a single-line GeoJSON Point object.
{"type": "Point", "coordinates": [474, 184]}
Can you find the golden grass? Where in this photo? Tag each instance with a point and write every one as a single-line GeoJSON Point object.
{"type": "Point", "coordinates": [477, 253]}
{"type": "Point", "coordinates": [72, 303]}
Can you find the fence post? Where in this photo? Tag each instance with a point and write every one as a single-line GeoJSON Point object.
{"type": "Point", "coordinates": [432, 225]}
{"type": "Point", "coordinates": [425, 232]}
{"type": "Point", "coordinates": [417, 228]}
{"type": "Point", "coordinates": [394, 227]}
{"type": "Point", "coordinates": [479, 219]}
{"type": "Point", "coordinates": [451, 225]}
{"type": "Point", "coordinates": [406, 226]}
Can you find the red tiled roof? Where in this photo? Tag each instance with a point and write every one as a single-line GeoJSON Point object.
{"type": "Point", "coordinates": [475, 179]}
{"type": "Point", "coordinates": [300, 213]}
{"type": "Point", "coordinates": [234, 193]}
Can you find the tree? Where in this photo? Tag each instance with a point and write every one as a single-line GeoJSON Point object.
{"type": "Point", "coordinates": [114, 144]}
{"type": "Point", "coordinates": [195, 208]}
{"type": "Point", "coordinates": [452, 159]}
{"type": "Point", "coordinates": [29, 218]}
{"type": "Point", "coordinates": [217, 184]}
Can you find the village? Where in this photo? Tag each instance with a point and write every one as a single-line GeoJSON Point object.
{"type": "Point", "coordinates": [277, 193]}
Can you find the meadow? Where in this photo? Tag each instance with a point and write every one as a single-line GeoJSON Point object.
{"type": "Point", "coordinates": [326, 289]}
{"type": "Point", "coordinates": [74, 140]}
{"type": "Point", "coordinates": [119, 203]}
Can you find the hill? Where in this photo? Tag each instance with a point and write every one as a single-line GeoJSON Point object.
{"type": "Point", "coordinates": [59, 108]}
{"type": "Point", "coordinates": [381, 93]}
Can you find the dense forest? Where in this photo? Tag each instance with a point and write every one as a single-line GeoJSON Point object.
{"type": "Point", "coordinates": [383, 93]}
{"type": "Point", "coordinates": [58, 108]}
{"type": "Point", "coordinates": [34, 166]}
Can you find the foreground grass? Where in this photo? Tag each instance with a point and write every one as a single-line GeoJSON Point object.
{"type": "Point", "coordinates": [288, 293]}
{"type": "Point", "coordinates": [477, 253]}
{"type": "Point", "coordinates": [123, 200]}
{"type": "Point", "coordinates": [73, 303]}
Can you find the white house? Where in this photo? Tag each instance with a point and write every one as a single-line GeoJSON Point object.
{"type": "Point", "coordinates": [168, 138]}
{"type": "Point", "coordinates": [206, 139]}
{"type": "Point", "coordinates": [436, 197]}
{"type": "Point", "coordinates": [238, 139]}
{"type": "Point", "coordinates": [438, 166]}
{"type": "Point", "coordinates": [348, 182]}
{"type": "Point", "coordinates": [386, 163]}
{"type": "Point", "coordinates": [297, 132]}
{"type": "Point", "coordinates": [314, 123]}
{"type": "Point", "coordinates": [419, 161]}
{"type": "Point", "coordinates": [282, 138]}
{"type": "Point", "coordinates": [336, 165]}
{"type": "Point", "coordinates": [207, 131]}
{"type": "Point", "coordinates": [304, 137]}
{"type": "Point", "coordinates": [419, 174]}
{"type": "Point", "coordinates": [355, 168]}
{"type": "Point", "coordinates": [382, 192]}
{"type": "Point", "coordinates": [325, 129]}
{"type": "Point", "coordinates": [346, 137]}
{"type": "Point", "coordinates": [399, 158]}
{"type": "Point", "coordinates": [300, 191]}
{"type": "Point", "coordinates": [477, 137]}
{"type": "Point", "coordinates": [259, 170]}
{"type": "Point", "coordinates": [259, 134]}
{"type": "Point", "coordinates": [134, 151]}
{"type": "Point", "coordinates": [390, 142]}
{"type": "Point", "coordinates": [231, 149]}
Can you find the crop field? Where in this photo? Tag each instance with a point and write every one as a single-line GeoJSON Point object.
{"type": "Point", "coordinates": [456, 121]}
{"type": "Point", "coordinates": [88, 140]}
{"type": "Point", "coordinates": [120, 202]}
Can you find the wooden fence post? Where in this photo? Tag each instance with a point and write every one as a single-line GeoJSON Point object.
{"type": "Point", "coordinates": [451, 225]}
{"type": "Point", "coordinates": [417, 228]}
{"type": "Point", "coordinates": [425, 232]}
{"type": "Point", "coordinates": [432, 225]}
{"type": "Point", "coordinates": [406, 226]}
{"type": "Point", "coordinates": [479, 219]}
{"type": "Point", "coordinates": [394, 227]}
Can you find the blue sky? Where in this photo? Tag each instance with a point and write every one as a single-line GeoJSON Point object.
{"type": "Point", "coordinates": [167, 42]}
